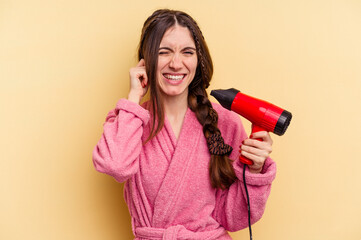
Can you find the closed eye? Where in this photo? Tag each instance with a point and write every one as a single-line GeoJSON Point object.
{"type": "Point", "coordinates": [188, 52]}
{"type": "Point", "coordinates": [163, 53]}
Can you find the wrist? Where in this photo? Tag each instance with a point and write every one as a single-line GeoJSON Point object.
{"type": "Point", "coordinates": [133, 97]}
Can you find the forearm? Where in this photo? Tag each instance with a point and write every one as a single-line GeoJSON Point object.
{"type": "Point", "coordinates": [119, 147]}
{"type": "Point", "coordinates": [232, 203]}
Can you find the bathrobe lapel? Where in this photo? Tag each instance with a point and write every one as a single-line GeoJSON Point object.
{"type": "Point", "coordinates": [180, 165]}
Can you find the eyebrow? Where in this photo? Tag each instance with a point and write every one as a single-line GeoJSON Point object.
{"type": "Point", "coordinates": [184, 49]}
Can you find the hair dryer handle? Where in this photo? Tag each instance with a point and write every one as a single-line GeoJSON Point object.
{"type": "Point", "coordinates": [255, 128]}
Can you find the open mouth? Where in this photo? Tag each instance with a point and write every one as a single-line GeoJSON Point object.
{"type": "Point", "coordinates": [174, 77]}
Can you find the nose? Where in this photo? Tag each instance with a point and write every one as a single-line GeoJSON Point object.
{"type": "Point", "coordinates": [176, 62]}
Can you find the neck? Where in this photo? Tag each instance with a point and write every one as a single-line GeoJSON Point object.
{"type": "Point", "coordinates": [175, 107]}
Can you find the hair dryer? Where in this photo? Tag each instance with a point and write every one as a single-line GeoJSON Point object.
{"type": "Point", "coordinates": [264, 116]}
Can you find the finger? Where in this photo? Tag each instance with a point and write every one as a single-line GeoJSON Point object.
{"type": "Point", "coordinates": [256, 143]}
{"type": "Point", "coordinates": [264, 153]}
{"type": "Point", "coordinates": [264, 146]}
{"type": "Point", "coordinates": [264, 135]}
{"type": "Point", "coordinates": [261, 134]}
{"type": "Point", "coordinates": [141, 63]}
{"type": "Point", "coordinates": [257, 160]}
{"type": "Point", "coordinates": [144, 80]}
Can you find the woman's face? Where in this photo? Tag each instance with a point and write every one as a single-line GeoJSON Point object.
{"type": "Point", "coordinates": [177, 61]}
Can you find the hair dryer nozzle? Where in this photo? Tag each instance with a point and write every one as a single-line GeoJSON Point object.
{"type": "Point", "coordinates": [283, 122]}
{"type": "Point", "coordinates": [225, 97]}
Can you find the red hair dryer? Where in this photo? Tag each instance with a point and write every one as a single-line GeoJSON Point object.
{"type": "Point", "coordinates": [264, 116]}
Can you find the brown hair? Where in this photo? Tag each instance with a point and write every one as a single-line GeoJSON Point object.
{"type": "Point", "coordinates": [220, 168]}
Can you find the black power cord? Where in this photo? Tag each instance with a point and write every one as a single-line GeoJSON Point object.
{"type": "Point", "coordinates": [248, 205]}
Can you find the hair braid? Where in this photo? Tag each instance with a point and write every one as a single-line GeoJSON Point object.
{"type": "Point", "coordinates": [221, 171]}
{"type": "Point", "coordinates": [203, 74]}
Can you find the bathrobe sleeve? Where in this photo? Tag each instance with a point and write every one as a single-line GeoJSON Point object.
{"type": "Point", "coordinates": [117, 152]}
{"type": "Point", "coordinates": [231, 204]}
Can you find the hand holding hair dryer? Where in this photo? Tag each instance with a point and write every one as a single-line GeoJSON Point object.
{"type": "Point", "coordinates": [264, 116]}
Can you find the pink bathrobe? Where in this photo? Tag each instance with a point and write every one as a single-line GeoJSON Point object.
{"type": "Point", "coordinates": [167, 187]}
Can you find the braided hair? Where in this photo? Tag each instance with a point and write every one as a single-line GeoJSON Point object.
{"type": "Point", "coordinates": [221, 171]}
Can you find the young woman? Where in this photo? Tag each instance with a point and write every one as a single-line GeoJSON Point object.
{"type": "Point", "coordinates": [174, 152]}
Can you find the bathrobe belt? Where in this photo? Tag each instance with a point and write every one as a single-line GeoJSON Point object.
{"type": "Point", "coordinates": [176, 232]}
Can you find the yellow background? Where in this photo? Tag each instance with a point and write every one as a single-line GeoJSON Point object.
{"type": "Point", "coordinates": [64, 64]}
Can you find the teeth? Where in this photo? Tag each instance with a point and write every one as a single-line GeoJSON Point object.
{"type": "Point", "coordinates": [174, 77]}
